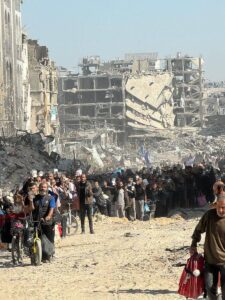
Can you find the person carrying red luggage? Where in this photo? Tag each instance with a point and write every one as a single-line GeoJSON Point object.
{"type": "Point", "coordinates": [213, 224]}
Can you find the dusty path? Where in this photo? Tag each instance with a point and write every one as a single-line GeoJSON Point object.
{"type": "Point", "coordinates": [122, 260]}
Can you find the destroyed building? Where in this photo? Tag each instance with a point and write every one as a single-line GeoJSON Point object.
{"type": "Point", "coordinates": [11, 66]}
{"type": "Point", "coordinates": [28, 78]}
{"type": "Point", "coordinates": [139, 93]}
{"type": "Point", "coordinates": [149, 101]}
{"type": "Point", "coordinates": [93, 100]}
{"type": "Point", "coordinates": [188, 89]}
{"type": "Point", "coordinates": [43, 90]}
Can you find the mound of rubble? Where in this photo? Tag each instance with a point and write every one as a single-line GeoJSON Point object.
{"type": "Point", "coordinates": [19, 155]}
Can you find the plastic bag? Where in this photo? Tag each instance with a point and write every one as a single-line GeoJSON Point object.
{"type": "Point", "coordinates": [146, 208]}
{"type": "Point", "coordinates": [192, 286]}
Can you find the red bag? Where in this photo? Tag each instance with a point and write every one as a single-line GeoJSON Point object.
{"type": "Point", "coordinates": [60, 229]}
{"type": "Point", "coordinates": [191, 286]}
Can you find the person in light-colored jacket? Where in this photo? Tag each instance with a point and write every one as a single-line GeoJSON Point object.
{"type": "Point", "coordinates": [120, 200]}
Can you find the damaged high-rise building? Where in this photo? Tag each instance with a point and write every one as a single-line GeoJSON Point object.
{"type": "Point", "coordinates": [11, 66]}
{"type": "Point", "coordinates": [92, 100]}
{"type": "Point", "coordinates": [43, 90]}
{"type": "Point", "coordinates": [28, 78]}
{"type": "Point", "coordinates": [188, 89]}
{"type": "Point", "coordinates": [139, 93]}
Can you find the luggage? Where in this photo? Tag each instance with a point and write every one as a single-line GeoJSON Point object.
{"type": "Point", "coordinates": [191, 283]}
{"type": "Point", "coordinates": [6, 236]}
{"type": "Point", "coordinates": [48, 248]}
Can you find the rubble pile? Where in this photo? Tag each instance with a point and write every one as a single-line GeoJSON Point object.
{"type": "Point", "coordinates": [180, 146]}
{"type": "Point", "coordinates": [214, 125]}
{"type": "Point", "coordinates": [19, 155]}
{"type": "Point", "coordinates": [167, 147]}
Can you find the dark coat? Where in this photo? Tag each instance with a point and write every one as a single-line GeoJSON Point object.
{"type": "Point", "coordinates": [88, 193]}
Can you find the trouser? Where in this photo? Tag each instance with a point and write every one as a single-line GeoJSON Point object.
{"type": "Point", "coordinates": [211, 280]}
{"type": "Point", "coordinates": [152, 207]}
{"type": "Point", "coordinates": [49, 231]}
{"type": "Point", "coordinates": [86, 208]}
{"type": "Point", "coordinates": [140, 209]}
{"type": "Point", "coordinates": [102, 209]}
{"type": "Point", "coordinates": [64, 224]}
{"type": "Point", "coordinates": [109, 208]}
{"type": "Point", "coordinates": [131, 211]}
{"type": "Point", "coordinates": [120, 211]}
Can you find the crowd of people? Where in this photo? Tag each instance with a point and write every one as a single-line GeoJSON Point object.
{"type": "Point", "coordinates": [123, 193]}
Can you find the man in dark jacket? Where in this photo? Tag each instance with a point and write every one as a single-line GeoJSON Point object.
{"type": "Point", "coordinates": [108, 191]}
{"type": "Point", "coordinates": [85, 194]}
{"type": "Point", "coordinates": [44, 205]}
{"type": "Point", "coordinates": [99, 198]}
{"type": "Point", "coordinates": [131, 209]}
{"type": "Point", "coordinates": [213, 224]}
{"type": "Point", "coordinates": [140, 198]}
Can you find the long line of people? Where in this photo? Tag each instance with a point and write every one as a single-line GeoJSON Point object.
{"type": "Point", "coordinates": [120, 194]}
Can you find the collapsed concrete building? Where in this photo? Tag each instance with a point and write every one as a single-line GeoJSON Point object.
{"type": "Point", "coordinates": [188, 89]}
{"type": "Point", "coordinates": [136, 94]}
{"type": "Point", "coordinates": [149, 101]}
{"type": "Point", "coordinates": [91, 101]}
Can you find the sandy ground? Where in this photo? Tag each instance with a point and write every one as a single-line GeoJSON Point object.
{"type": "Point", "coordinates": [122, 260]}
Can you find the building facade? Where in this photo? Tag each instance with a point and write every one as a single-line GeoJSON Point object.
{"type": "Point", "coordinates": [11, 65]}
{"type": "Point", "coordinates": [43, 90]}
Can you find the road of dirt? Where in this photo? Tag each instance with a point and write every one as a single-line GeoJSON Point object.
{"type": "Point", "coordinates": [122, 260]}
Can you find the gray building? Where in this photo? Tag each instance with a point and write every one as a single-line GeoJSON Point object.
{"type": "Point", "coordinates": [11, 65]}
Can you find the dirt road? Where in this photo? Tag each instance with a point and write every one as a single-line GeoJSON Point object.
{"type": "Point", "coordinates": [122, 260]}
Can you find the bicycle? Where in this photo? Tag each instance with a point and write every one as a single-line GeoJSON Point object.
{"type": "Point", "coordinates": [71, 221]}
{"type": "Point", "coordinates": [17, 231]}
{"type": "Point", "coordinates": [36, 247]}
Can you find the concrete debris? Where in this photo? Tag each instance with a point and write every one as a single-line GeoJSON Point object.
{"type": "Point", "coordinates": [19, 155]}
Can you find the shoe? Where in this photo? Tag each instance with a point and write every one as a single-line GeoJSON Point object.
{"type": "Point", "coordinates": [82, 232]}
{"type": "Point", "coordinates": [92, 232]}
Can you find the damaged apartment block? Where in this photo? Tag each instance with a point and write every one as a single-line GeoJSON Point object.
{"type": "Point", "coordinates": [93, 100]}
{"type": "Point", "coordinates": [136, 94]}
{"type": "Point", "coordinates": [43, 90]}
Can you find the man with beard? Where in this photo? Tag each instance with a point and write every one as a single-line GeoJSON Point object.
{"type": "Point", "coordinates": [213, 224]}
{"type": "Point", "coordinates": [44, 205]}
{"type": "Point", "coordinates": [85, 194]}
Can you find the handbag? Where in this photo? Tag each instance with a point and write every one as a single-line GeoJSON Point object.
{"type": "Point", "coordinates": [48, 248]}
{"type": "Point", "coordinates": [146, 208]}
{"type": "Point", "coordinates": [191, 283]}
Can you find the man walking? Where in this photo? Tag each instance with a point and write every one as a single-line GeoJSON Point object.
{"type": "Point", "coordinates": [213, 224]}
{"type": "Point", "coordinates": [120, 200]}
{"type": "Point", "coordinates": [131, 211]}
{"type": "Point", "coordinates": [140, 198]}
{"type": "Point", "coordinates": [85, 194]}
{"type": "Point", "coordinates": [44, 205]}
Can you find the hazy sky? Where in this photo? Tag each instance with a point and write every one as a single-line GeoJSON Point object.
{"type": "Point", "coordinates": [72, 29]}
